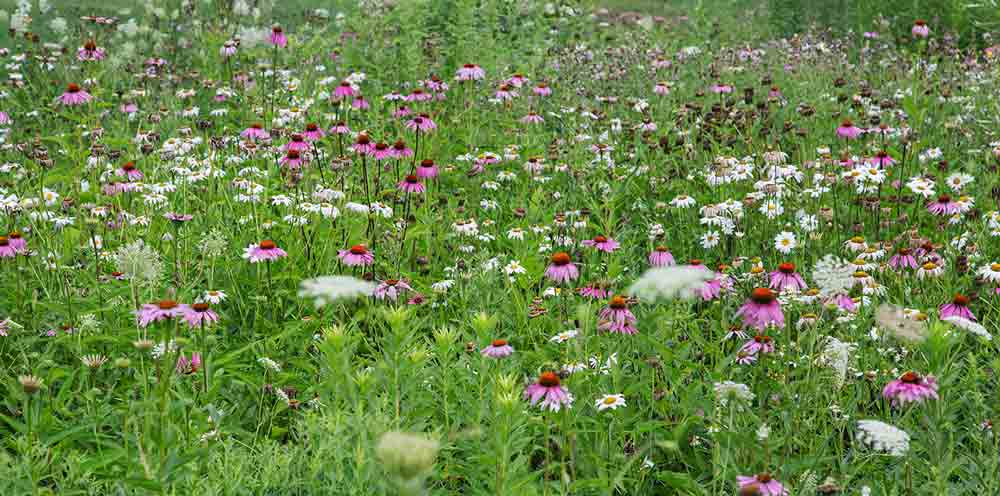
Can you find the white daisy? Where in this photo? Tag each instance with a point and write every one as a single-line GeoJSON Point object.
{"type": "Point", "coordinates": [785, 242]}
{"type": "Point", "coordinates": [710, 239]}
{"type": "Point", "coordinates": [564, 336]}
{"type": "Point", "coordinates": [610, 401]}
{"type": "Point", "coordinates": [990, 273]}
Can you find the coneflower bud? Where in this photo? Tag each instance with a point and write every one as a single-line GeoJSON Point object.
{"type": "Point", "coordinates": [93, 362]}
{"type": "Point", "coordinates": [962, 264]}
{"type": "Point", "coordinates": [31, 384]}
{"type": "Point", "coordinates": [407, 456]}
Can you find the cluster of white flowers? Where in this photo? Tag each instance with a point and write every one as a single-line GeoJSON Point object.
{"type": "Point", "coordinates": [968, 325]}
{"type": "Point", "coordinates": [833, 276]}
{"type": "Point", "coordinates": [837, 355]}
{"type": "Point", "coordinates": [729, 390]}
{"type": "Point", "coordinates": [881, 436]}
{"type": "Point", "coordinates": [161, 349]}
{"type": "Point", "coordinates": [670, 282]}
{"type": "Point", "coordinates": [328, 289]}
{"type": "Point", "coordinates": [901, 322]}
{"type": "Point", "coordinates": [269, 364]}
{"type": "Point", "coordinates": [139, 263]}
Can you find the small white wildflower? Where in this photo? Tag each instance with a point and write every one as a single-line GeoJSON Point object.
{"type": "Point", "coordinates": [269, 364]}
{"type": "Point", "coordinates": [610, 401]}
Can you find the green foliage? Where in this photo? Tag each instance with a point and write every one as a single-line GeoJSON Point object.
{"type": "Point", "coordinates": [292, 399]}
{"type": "Point", "coordinates": [969, 20]}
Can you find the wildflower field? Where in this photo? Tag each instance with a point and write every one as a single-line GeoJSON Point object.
{"type": "Point", "coordinates": [494, 247]}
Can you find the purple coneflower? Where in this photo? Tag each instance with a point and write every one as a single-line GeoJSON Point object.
{"type": "Point", "coordinates": [189, 366]}
{"type": "Point", "coordinates": [959, 307]}
{"type": "Point", "coordinates": [298, 143]}
{"type": "Point", "coordinates": [162, 310]}
{"type": "Point", "coordinates": [848, 130]}
{"type": "Point", "coordinates": [177, 218]}
{"type": "Point", "coordinates": [844, 302]}
{"type": "Point", "coordinates": [761, 343]}
{"type": "Point", "coordinates": [200, 315]}
{"type": "Point", "coordinates": [721, 88]}
{"type": "Point", "coordinates": [7, 250]}
{"type": "Point", "coordinates": [920, 29]}
{"type": "Point", "coordinates": [616, 317]}
{"type": "Point", "coordinates": [662, 88]}
{"type": "Point", "coordinates": [340, 128]}
{"type": "Point", "coordinates": [562, 269]}
{"type": "Point", "coordinates": [927, 250]}
{"type": "Point", "coordinates": [712, 288]}
{"type": "Point", "coordinates": [265, 251]}
{"type": "Point", "coordinates": [411, 184]}
{"type": "Point", "coordinates": [542, 89]}
{"type": "Point", "coordinates": [74, 95]}
{"type": "Point", "coordinates": [381, 151]}
{"type": "Point", "coordinates": [435, 83]}
{"type": "Point", "coordinates": [90, 52]}
{"type": "Point", "coordinates": [881, 160]}
{"type": "Point", "coordinates": [517, 80]}
{"type": "Point", "coordinates": [601, 243]}
{"type": "Point", "coordinates": [17, 241]}
{"type": "Point", "coordinates": [470, 72]}
{"type": "Point", "coordinates": [598, 290]}
{"type": "Point", "coordinates": [292, 159]}
{"type": "Point", "coordinates": [786, 278]}
{"type": "Point", "coordinates": [359, 103]}
{"type": "Point", "coordinates": [497, 349]}
{"type": "Point", "coordinates": [745, 358]}
{"type": "Point", "coordinates": [363, 145]}
{"type": "Point", "coordinates": [356, 255]}
{"type": "Point", "coordinates": [255, 132]}
{"type": "Point", "coordinates": [910, 388]}
{"type": "Point", "coordinates": [278, 37]}
{"type": "Point", "coordinates": [505, 93]}
{"type": "Point", "coordinates": [344, 89]}
{"type": "Point", "coordinates": [391, 289]}
{"type": "Point", "coordinates": [548, 392]}
{"type": "Point", "coordinates": [418, 95]}
{"type": "Point", "coordinates": [903, 259]}
{"type": "Point", "coordinates": [422, 122]}
{"type": "Point", "coordinates": [228, 49]}
{"type": "Point", "coordinates": [661, 257]}
{"type": "Point", "coordinates": [532, 118]}
{"type": "Point", "coordinates": [763, 483]}
{"type": "Point", "coordinates": [943, 206]}
{"type": "Point", "coordinates": [312, 132]}
{"type": "Point", "coordinates": [400, 150]}
{"type": "Point", "coordinates": [427, 169]}
{"type": "Point", "coordinates": [761, 310]}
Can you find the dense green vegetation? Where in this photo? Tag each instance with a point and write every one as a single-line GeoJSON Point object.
{"type": "Point", "coordinates": [499, 247]}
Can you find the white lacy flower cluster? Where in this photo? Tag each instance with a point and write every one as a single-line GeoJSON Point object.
{"type": "Point", "coordinates": [881, 436]}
